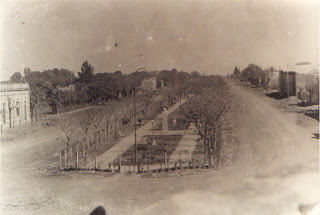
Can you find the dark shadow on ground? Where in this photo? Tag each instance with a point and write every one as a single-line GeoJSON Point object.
{"type": "Point", "coordinates": [314, 115]}
{"type": "Point", "coordinates": [255, 86]}
{"type": "Point", "coordinates": [306, 104]}
{"type": "Point", "coordinates": [277, 95]}
{"type": "Point", "coordinates": [98, 211]}
{"type": "Point", "coordinates": [316, 136]}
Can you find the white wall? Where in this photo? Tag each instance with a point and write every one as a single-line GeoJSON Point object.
{"type": "Point", "coordinates": [23, 99]}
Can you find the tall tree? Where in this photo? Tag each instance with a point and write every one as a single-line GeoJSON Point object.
{"type": "Point", "coordinates": [205, 109]}
{"type": "Point", "coordinates": [86, 73]}
{"type": "Point", "coordinates": [68, 126]}
{"type": "Point", "coordinates": [85, 119]}
{"type": "Point", "coordinates": [45, 85]}
{"type": "Point", "coordinates": [16, 78]}
{"type": "Point", "coordinates": [236, 73]}
{"type": "Point", "coordinates": [266, 76]}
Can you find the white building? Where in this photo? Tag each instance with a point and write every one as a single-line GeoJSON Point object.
{"type": "Point", "coordinates": [149, 84]}
{"type": "Point", "coordinates": [15, 101]}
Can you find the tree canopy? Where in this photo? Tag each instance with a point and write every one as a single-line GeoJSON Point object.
{"type": "Point", "coordinates": [86, 73]}
{"type": "Point", "coordinates": [16, 78]}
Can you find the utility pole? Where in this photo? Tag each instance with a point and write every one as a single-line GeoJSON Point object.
{"type": "Point", "coordinates": [134, 114]}
{"type": "Point", "coordinates": [288, 84]}
{"type": "Point", "coordinates": [180, 102]}
{"type": "Point", "coordinates": [135, 124]}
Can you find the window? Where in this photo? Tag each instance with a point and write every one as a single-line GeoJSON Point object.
{"type": "Point", "coordinates": [18, 108]}
{"type": "Point", "coordinates": [25, 110]}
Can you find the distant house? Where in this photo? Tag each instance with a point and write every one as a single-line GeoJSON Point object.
{"type": "Point", "coordinates": [308, 86]}
{"type": "Point", "coordinates": [149, 84]}
{"type": "Point", "coordinates": [71, 87]}
{"type": "Point", "coordinates": [287, 83]}
{"type": "Point", "coordinates": [274, 82]}
{"type": "Point", "coordinates": [15, 101]}
{"type": "Point", "coordinates": [303, 85]}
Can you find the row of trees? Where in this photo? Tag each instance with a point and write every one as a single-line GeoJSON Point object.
{"type": "Point", "coordinates": [255, 75]}
{"type": "Point", "coordinates": [210, 96]}
{"type": "Point", "coordinates": [114, 119]}
{"type": "Point", "coordinates": [90, 88]}
{"type": "Point", "coordinates": [98, 88]}
{"type": "Point", "coordinates": [89, 121]}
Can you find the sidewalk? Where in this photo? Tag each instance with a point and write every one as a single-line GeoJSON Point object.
{"type": "Point", "coordinates": [186, 145]}
{"type": "Point", "coordinates": [124, 144]}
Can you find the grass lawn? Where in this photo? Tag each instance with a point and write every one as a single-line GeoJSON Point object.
{"type": "Point", "coordinates": [149, 154]}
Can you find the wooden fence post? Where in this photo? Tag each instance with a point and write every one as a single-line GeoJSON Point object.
{"type": "Point", "coordinates": [129, 165]}
{"type": "Point", "coordinates": [107, 131]}
{"type": "Point", "coordinates": [103, 137]}
{"type": "Point", "coordinates": [71, 153]}
{"type": "Point", "coordinates": [119, 162]}
{"type": "Point", "coordinates": [96, 162]}
{"type": "Point", "coordinates": [83, 149]}
{"type": "Point", "coordinates": [60, 160]}
{"type": "Point", "coordinates": [65, 157]}
{"type": "Point", "coordinates": [77, 165]}
{"type": "Point", "coordinates": [165, 160]}
{"type": "Point", "coordinates": [115, 126]}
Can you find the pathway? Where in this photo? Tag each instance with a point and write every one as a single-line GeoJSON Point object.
{"type": "Point", "coordinates": [124, 144]}
{"type": "Point", "coordinates": [187, 144]}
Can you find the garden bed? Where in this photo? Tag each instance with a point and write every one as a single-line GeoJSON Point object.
{"type": "Point", "coordinates": [152, 154]}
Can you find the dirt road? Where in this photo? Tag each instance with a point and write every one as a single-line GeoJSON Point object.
{"type": "Point", "coordinates": [269, 166]}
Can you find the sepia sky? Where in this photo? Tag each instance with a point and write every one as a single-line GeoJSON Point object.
{"type": "Point", "coordinates": [210, 36]}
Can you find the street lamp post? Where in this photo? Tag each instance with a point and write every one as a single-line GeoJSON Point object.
{"type": "Point", "coordinates": [134, 114]}
{"type": "Point", "coordinates": [153, 141]}
{"type": "Point", "coordinates": [135, 122]}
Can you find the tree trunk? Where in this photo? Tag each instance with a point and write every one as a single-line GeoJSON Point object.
{"type": "Point", "coordinates": [36, 112]}
{"type": "Point", "coordinates": [31, 113]}
{"type": "Point", "coordinates": [10, 117]}
{"type": "Point", "coordinates": [205, 148]}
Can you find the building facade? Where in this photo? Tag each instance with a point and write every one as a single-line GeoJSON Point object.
{"type": "Point", "coordinates": [15, 103]}
{"type": "Point", "coordinates": [287, 83]}
{"type": "Point", "coordinates": [149, 84]}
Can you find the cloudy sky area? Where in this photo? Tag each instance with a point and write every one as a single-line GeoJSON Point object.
{"type": "Point", "coordinates": [209, 36]}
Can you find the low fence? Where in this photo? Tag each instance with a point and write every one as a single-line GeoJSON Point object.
{"type": "Point", "coordinates": [83, 154]}
{"type": "Point", "coordinates": [77, 158]}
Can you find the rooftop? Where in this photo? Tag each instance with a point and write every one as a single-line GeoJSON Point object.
{"type": "Point", "coordinates": [6, 86]}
